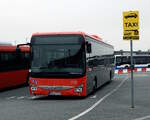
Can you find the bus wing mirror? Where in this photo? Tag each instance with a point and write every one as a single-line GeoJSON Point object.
{"type": "Point", "coordinates": [89, 48]}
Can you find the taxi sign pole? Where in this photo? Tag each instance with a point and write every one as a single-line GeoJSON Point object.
{"type": "Point", "coordinates": [132, 80]}
{"type": "Point", "coordinates": [131, 32]}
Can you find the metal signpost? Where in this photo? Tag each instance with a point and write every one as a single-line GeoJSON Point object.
{"type": "Point", "coordinates": [131, 32]}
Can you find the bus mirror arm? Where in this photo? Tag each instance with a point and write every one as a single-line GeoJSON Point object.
{"type": "Point", "coordinates": [18, 49]}
{"type": "Point", "coordinates": [23, 44]}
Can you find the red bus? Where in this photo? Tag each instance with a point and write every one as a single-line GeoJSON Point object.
{"type": "Point", "coordinates": [14, 67]}
{"type": "Point", "coordinates": [69, 63]}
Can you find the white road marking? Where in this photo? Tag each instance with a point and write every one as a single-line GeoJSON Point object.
{"type": "Point", "coordinates": [12, 97]}
{"type": "Point", "coordinates": [94, 96]}
{"type": "Point", "coordinates": [143, 118]}
{"type": "Point", "coordinates": [22, 97]}
{"type": "Point", "coordinates": [35, 97]}
{"type": "Point", "coordinates": [98, 102]}
{"type": "Point", "coordinates": [32, 97]}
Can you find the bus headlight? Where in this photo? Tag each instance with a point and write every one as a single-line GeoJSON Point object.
{"type": "Point", "coordinates": [79, 89]}
{"type": "Point", "coordinates": [33, 87]}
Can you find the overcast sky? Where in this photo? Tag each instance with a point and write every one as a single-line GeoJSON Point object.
{"type": "Point", "coordinates": [20, 18]}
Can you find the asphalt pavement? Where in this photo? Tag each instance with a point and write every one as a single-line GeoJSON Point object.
{"type": "Point", "coordinates": [110, 102]}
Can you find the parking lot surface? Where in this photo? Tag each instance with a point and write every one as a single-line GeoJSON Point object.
{"type": "Point", "coordinates": [110, 102]}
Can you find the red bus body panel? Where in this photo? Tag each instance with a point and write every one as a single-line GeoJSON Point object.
{"type": "Point", "coordinates": [97, 38]}
{"type": "Point", "coordinates": [69, 82]}
{"type": "Point", "coordinates": [13, 48]}
{"type": "Point", "coordinates": [13, 78]}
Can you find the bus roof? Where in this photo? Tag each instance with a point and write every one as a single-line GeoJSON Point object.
{"type": "Point", "coordinates": [95, 37]}
{"type": "Point", "coordinates": [9, 48]}
{"type": "Point", "coordinates": [5, 43]}
{"type": "Point", "coordinates": [57, 33]}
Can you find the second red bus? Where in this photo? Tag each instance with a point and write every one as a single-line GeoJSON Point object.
{"type": "Point", "coordinates": [14, 67]}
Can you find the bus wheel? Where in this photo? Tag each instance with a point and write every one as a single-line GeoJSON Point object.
{"type": "Point", "coordinates": [94, 84]}
{"type": "Point", "coordinates": [110, 77]}
{"type": "Point", "coordinates": [126, 67]}
{"type": "Point", "coordinates": [27, 80]}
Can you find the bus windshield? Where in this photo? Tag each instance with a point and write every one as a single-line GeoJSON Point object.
{"type": "Point", "coordinates": [58, 55]}
{"type": "Point", "coordinates": [122, 60]}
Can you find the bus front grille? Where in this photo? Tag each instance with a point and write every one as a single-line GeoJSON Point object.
{"type": "Point", "coordinates": [56, 87]}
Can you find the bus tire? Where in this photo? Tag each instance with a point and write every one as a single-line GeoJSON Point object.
{"type": "Point", "coordinates": [27, 80]}
{"type": "Point", "coordinates": [110, 77]}
{"type": "Point", "coordinates": [126, 67]}
{"type": "Point", "coordinates": [94, 84]}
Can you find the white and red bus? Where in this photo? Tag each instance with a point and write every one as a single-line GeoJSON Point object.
{"type": "Point", "coordinates": [140, 61]}
{"type": "Point", "coordinates": [69, 63]}
{"type": "Point", "coordinates": [14, 67]}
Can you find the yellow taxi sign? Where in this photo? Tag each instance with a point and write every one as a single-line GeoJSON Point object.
{"type": "Point", "coordinates": [131, 25]}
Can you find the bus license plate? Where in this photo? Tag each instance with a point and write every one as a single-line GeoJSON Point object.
{"type": "Point", "coordinates": [54, 93]}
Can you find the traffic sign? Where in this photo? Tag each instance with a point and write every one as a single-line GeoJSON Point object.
{"type": "Point", "coordinates": [131, 25]}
